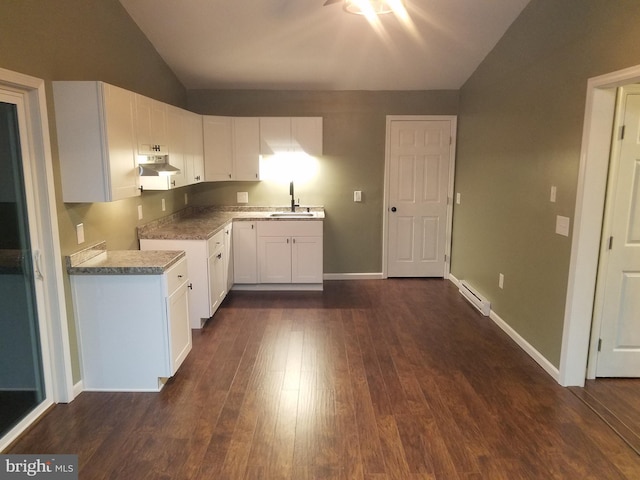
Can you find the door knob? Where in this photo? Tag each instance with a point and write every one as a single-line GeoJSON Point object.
{"type": "Point", "coordinates": [393, 209]}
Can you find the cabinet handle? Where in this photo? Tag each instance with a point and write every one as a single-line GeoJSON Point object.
{"type": "Point", "coordinates": [190, 286]}
{"type": "Point", "coordinates": [179, 276]}
{"type": "Point", "coordinates": [294, 240]}
{"type": "Point", "coordinates": [219, 255]}
{"type": "Point", "coordinates": [229, 175]}
{"type": "Point", "coordinates": [287, 240]}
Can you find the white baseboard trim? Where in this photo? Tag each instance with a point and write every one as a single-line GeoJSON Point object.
{"type": "Point", "coordinates": [522, 343]}
{"type": "Point", "coordinates": [526, 346]}
{"type": "Point", "coordinates": [353, 276]}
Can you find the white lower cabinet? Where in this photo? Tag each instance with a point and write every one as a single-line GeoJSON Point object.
{"type": "Point", "coordinates": [133, 329]}
{"type": "Point", "coordinates": [289, 252]}
{"type": "Point", "coordinates": [208, 263]}
{"type": "Point", "coordinates": [245, 263]}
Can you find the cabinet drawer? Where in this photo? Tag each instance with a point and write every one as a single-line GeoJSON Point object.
{"type": "Point", "coordinates": [176, 276]}
{"type": "Point", "coordinates": [215, 242]}
{"type": "Point", "coordinates": [290, 228]}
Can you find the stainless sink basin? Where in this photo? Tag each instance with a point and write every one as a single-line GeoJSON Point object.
{"type": "Point", "coordinates": [292, 214]}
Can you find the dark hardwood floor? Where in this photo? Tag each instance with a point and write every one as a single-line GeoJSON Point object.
{"type": "Point", "coordinates": [381, 379]}
{"type": "Point", "coordinates": [617, 402]}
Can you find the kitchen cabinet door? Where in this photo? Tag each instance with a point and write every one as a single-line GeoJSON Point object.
{"type": "Point", "coordinates": [275, 135]}
{"type": "Point", "coordinates": [194, 148]}
{"type": "Point", "coordinates": [228, 252]}
{"type": "Point", "coordinates": [96, 140]}
{"type": "Point", "coordinates": [176, 138]}
{"type": "Point", "coordinates": [274, 259]}
{"type": "Point", "coordinates": [246, 148]}
{"type": "Point", "coordinates": [151, 126]}
{"type": "Point", "coordinates": [218, 148]}
{"type": "Point", "coordinates": [217, 281]}
{"type": "Point", "coordinates": [245, 266]}
{"type": "Point", "coordinates": [306, 260]}
{"type": "Point", "coordinates": [179, 329]}
{"type": "Point", "coordinates": [307, 134]}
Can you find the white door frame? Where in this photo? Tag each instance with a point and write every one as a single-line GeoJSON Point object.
{"type": "Point", "coordinates": [385, 218]}
{"type": "Point", "coordinates": [54, 332]}
{"type": "Point", "coordinates": [589, 217]}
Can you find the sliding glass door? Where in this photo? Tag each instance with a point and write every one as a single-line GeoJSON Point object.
{"type": "Point", "coordinates": [21, 369]}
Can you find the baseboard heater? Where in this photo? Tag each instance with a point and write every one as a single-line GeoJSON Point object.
{"type": "Point", "coordinates": [482, 304]}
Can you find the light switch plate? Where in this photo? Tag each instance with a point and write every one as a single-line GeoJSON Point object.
{"type": "Point", "coordinates": [140, 212]}
{"type": "Point", "coordinates": [552, 197]}
{"type": "Point", "coordinates": [164, 205]}
{"type": "Point", "coordinates": [562, 225]}
{"type": "Point", "coordinates": [458, 198]}
{"type": "Point", "coordinates": [80, 233]}
{"type": "Point", "coordinates": [242, 197]}
{"type": "Point", "coordinates": [357, 196]}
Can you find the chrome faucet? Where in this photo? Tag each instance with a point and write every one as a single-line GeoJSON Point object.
{"type": "Point", "coordinates": [293, 200]}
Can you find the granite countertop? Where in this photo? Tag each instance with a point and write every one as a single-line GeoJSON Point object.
{"type": "Point", "coordinates": [97, 260]}
{"type": "Point", "coordinates": [201, 223]}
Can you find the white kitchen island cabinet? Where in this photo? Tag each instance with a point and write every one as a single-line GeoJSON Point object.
{"type": "Point", "coordinates": [133, 329]}
{"type": "Point", "coordinates": [208, 263]}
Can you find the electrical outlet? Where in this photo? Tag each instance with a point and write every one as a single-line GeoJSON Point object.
{"type": "Point", "coordinates": [186, 199]}
{"type": "Point", "coordinates": [164, 205]}
{"type": "Point", "coordinates": [80, 233]}
{"type": "Point", "coordinates": [501, 280]}
{"type": "Point", "coordinates": [242, 197]}
{"type": "Point", "coordinates": [552, 197]}
{"type": "Point", "coordinates": [140, 212]}
{"type": "Point", "coordinates": [458, 198]}
{"type": "Point", "coordinates": [357, 196]}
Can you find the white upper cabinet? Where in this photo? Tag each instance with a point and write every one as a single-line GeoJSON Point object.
{"type": "Point", "coordinates": [306, 133]}
{"type": "Point", "coordinates": [151, 126]}
{"type": "Point", "coordinates": [96, 141]}
{"type": "Point", "coordinates": [194, 148]}
{"type": "Point", "coordinates": [246, 148]}
{"type": "Point", "coordinates": [231, 148]}
{"type": "Point", "coordinates": [291, 134]}
{"type": "Point", "coordinates": [218, 148]}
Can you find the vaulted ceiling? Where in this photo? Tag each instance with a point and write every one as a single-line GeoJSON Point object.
{"type": "Point", "coordinates": [301, 44]}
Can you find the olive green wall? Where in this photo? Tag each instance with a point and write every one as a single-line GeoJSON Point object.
{"type": "Point", "coordinates": [353, 159]}
{"type": "Point", "coordinates": [519, 133]}
{"type": "Point", "coordinates": [88, 40]}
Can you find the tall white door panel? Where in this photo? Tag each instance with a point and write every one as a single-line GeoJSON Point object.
{"type": "Point", "coordinates": [419, 169]}
{"type": "Point", "coordinates": [619, 354]}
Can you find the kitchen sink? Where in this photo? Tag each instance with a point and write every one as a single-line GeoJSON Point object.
{"type": "Point", "coordinates": [293, 214]}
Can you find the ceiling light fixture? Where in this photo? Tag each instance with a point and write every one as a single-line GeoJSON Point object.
{"type": "Point", "coordinates": [367, 7]}
{"type": "Point", "coordinates": [370, 8]}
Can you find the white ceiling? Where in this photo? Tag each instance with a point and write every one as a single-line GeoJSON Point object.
{"type": "Point", "coordinates": [303, 45]}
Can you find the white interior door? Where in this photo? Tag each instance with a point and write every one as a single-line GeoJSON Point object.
{"type": "Point", "coordinates": [419, 160]}
{"type": "Point", "coordinates": [619, 345]}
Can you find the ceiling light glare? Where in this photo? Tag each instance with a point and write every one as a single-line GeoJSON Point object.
{"type": "Point", "coordinates": [369, 8]}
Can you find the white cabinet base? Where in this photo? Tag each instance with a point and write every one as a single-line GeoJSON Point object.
{"type": "Point", "coordinates": [293, 287]}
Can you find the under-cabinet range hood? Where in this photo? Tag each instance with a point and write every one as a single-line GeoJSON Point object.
{"type": "Point", "coordinates": [155, 166]}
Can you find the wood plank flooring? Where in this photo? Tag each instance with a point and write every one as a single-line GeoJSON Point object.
{"type": "Point", "coordinates": [371, 380]}
{"type": "Point", "coordinates": [617, 402]}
